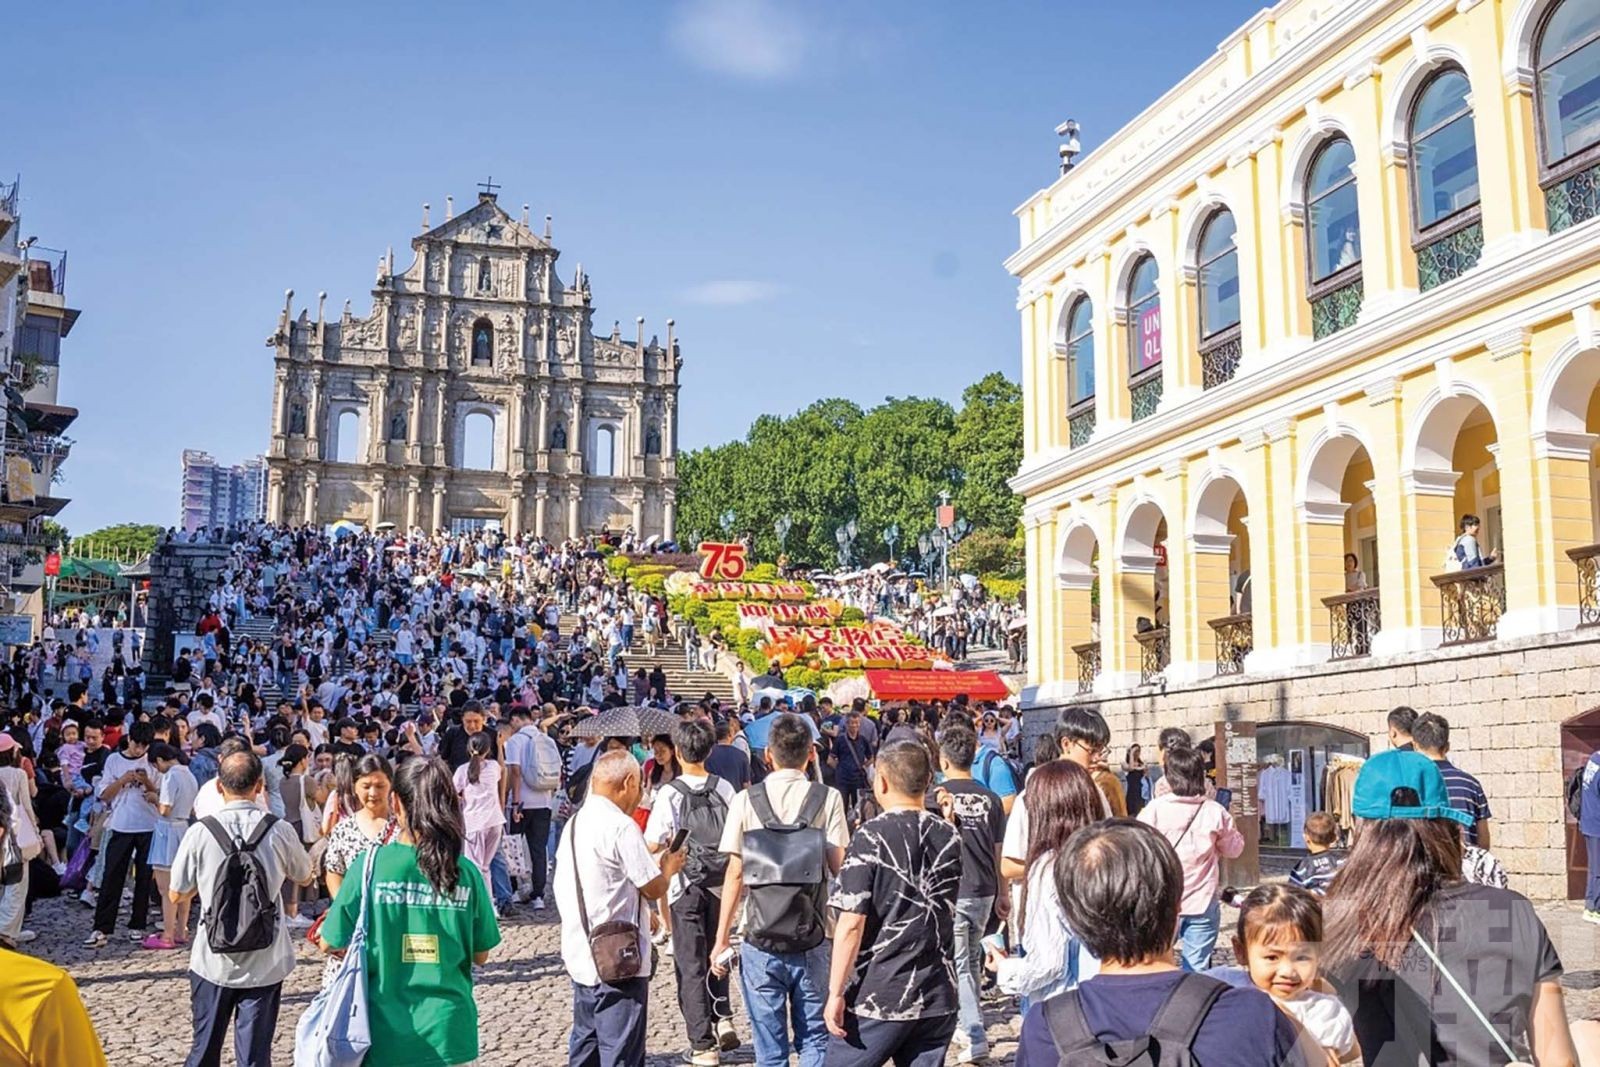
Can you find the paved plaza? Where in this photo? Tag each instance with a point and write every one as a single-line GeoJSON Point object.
{"type": "Point", "coordinates": [140, 1000]}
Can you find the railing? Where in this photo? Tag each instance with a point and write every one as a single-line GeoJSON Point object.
{"type": "Point", "coordinates": [1352, 620]}
{"type": "Point", "coordinates": [1335, 309]}
{"type": "Point", "coordinates": [1447, 258]}
{"type": "Point", "coordinates": [1471, 603]}
{"type": "Point", "coordinates": [1144, 394]}
{"type": "Point", "coordinates": [8, 197]}
{"type": "Point", "coordinates": [47, 270]}
{"type": "Point", "coordinates": [1219, 359]}
{"type": "Point", "coordinates": [1088, 665]}
{"type": "Point", "coordinates": [1587, 560]}
{"type": "Point", "coordinates": [1234, 642]}
{"type": "Point", "coordinates": [1573, 199]}
{"type": "Point", "coordinates": [1155, 653]}
{"type": "Point", "coordinates": [1080, 427]}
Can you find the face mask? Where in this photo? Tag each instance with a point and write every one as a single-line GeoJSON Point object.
{"type": "Point", "coordinates": [640, 754]}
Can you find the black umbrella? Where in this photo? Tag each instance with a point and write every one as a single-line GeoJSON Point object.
{"type": "Point", "coordinates": [768, 681]}
{"type": "Point", "coordinates": [592, 554]}
{"type": "Point", "coordinates": [627, 722]}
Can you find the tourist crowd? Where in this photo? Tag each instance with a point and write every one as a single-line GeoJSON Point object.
{"type": "Point", "coordinates": [444, 730]}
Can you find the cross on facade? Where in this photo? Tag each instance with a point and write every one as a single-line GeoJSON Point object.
{"type": "Point", "coordinates": [489, 188]}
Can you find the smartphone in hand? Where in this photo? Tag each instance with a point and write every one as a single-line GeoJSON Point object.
{"type": "Point", "coordinates": [678, 839]}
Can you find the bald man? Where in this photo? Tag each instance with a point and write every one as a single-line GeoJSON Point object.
{"type": "Point", "coordinates": [605, 849]}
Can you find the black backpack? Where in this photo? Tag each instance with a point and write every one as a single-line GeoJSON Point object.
{"type": "Point", "coordinates": [1575, 791]}
{"type": "Point", "coordinates": [243, 913]}
{"type": "Point", "coordinates": [703, 812]}
{"type": "Point", "coordinates": [1168, 1044]}
{"type": "Point", "coordinates": [785, 870]}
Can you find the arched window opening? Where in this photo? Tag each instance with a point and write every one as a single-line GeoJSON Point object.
{"type": "Point", "coordinates": [1567, 58]}
{"type": "Point", "coordinates": [1333, 239]}
{"type": "Point", "coordinates": [477, 442]}
{"type": "Point", "coordinates": [1217, 272]}
{"type": "Point", "coordinates": [1144, 340]}
{"type": "Point", "coordinates": [347, 438]}
{"type": "Point", "coordinates": [1080, 372]}
{"type": "Point", "coordinates": [1444, 180]}
{"type": "Point", "coordinates": [605, 449]}
{"type": "Point", "coordinates": [482, 343]}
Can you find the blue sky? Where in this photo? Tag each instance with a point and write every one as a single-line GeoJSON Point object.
{"type": "Point", "coordinates": [819, 193]}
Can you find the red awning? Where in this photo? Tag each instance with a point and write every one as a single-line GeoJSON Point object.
{"type": "Point", "coordinates": [937, 685]}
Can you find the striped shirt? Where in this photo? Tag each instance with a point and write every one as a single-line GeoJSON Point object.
{"type": "Point", "coordinates": [1466, 794]}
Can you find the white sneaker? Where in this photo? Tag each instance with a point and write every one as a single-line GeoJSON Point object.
{"type": "Point", "coordinates": [968, 1051]}
{"type": "Point", "coordinates": [24, 936]}
{"type": "Point", "coordinates": [523, 895]}
{"type": "Point", "coordinates": [95, 940]}
{"type": "Point", "coordinates": [299, 922]}
{"type": "Point", "coordinates": [727, 1036]}
{"type": "Point", "coordinates": [538, 903]}
{"type": "Point", "coordinates": [89, 898]}
{"type": "Point", "coordinates": [137, 935]}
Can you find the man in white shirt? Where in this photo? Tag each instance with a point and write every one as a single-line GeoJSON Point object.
{"type": "Point", "coordinates": [533, 770]}
{"type": "Point", "coordinates": [128, 787]}
{"type": "Point", "coordinates": [603, 856]}
{"type": "Point", "coordinates": [205, 710]}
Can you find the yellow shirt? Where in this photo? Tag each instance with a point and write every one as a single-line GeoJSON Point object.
{"type": "Point", "coordinates": [42, 1020]}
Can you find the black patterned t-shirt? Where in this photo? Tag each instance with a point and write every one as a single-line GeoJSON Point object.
{"type": "Point", "coordinates": [902, 871]}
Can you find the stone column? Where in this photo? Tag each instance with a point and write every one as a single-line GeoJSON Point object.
{"type": "Point", "coordinates": [514, 521]}
{"type": "Point", "coordinates": [516, 455]}
{"type": "Point", "coordinates": [310, 516]}
{"type": "Point", "coordinates": [280, 402]}
{"type": "Point", "coordinates": [378, 439]}
{"type": "Point", "coordinates": [378, 489]}
{"type": "Point", "coordinates": [438, 504]}
{"type": "Point", "coordinates": [541, 496]}
{"type": "Point", "coordinates": [275, 496]}
{"type": "Point", "coordinates": [638, 512]}
{"type": "Point", "coordinates": [314, 417]}
{"type": "Point", "coordinates": [541, 447]}
{"type": "Point", "coordinates": [574, 501]}
{"type": "Point", "coordinates": [440, 447]}
{"type": "Point", "coordinates": [414, 423]}
{"type": "Point", "coordinates": [413, 491]}
{"type": "Point", "coordinates": [636, 438]}
{"type": "Point", "coordinates": [669, 516]}
{"type": "Point", "coordinates": [669, 428]}
{"type": "Point", "coordinates": [575, 427]}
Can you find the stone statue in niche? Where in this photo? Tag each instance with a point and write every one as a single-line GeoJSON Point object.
{"type": "Point", "coordinates": [564, 341]}
{"type": "Point", "coordinates": [408, 331]}
{"type": "Point", "coordinates": [485, 275]}
{"type": "Point", "coordinates": [397, 425]}
{"type": "Point", "coordinates": [558, 437]}
{"type": "Point", "coordinates": [482, 343]}
{"type": "Point", "coordinates": [652, 440]}
{"type": "Point", "coordinates": [297, 417]}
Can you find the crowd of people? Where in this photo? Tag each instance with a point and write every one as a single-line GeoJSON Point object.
{"type": "Point", "coordinates": [439, 758]}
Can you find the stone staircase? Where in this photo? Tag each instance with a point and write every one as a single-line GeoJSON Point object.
{"type": "Point", "coordinates": [682, 684]}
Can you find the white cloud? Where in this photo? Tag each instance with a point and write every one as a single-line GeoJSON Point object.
{"type": "Point", "coordinates": [756, 40]}
{"type": "Point", "coordinates": [732, 292]}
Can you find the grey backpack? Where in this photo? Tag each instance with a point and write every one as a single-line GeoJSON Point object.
{"type": "Point", "coordinates": [1168, 1044]}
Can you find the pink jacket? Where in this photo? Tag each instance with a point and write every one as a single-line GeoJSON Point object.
{"type": "Point", "coordinates": [1209, 838]}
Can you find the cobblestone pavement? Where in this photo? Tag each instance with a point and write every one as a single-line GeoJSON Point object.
{"type": "Point", "coordinates": [139, 1000]}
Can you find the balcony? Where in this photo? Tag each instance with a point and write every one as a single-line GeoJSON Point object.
{"type": "Point", "coordinates": [1080, 425]}
{"type": "Point", "coordinates": [1234, 641]}
{"type": "Point", "coordinates": [1471, 603]}
{"type": "Point", "coordinates": [1352, 620]}
{"type": "Point", "coordinates": [1155, 652]}
{"type": "Point", "coordinates": [8, 206]}
{"type": "Point", "coordinates": [1219, 358]}
{"type": "Point", "coordinates": [47, 270]}
{"type": "Point", "coordinates": [1587, 560]}
{"type": "Point", "coordinates": [1088, 655]}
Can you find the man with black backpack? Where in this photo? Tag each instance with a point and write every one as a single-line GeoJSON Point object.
{"type": "Point", "coordinates": [1121, 886]}
{"type": "Point", "coordinates": [696, 803]}
{"type": "Point", "coordinates": [785, 837]}
{"type": "Point", "coordinates": [237, 861]}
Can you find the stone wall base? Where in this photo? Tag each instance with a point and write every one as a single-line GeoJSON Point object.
{"type": "Point", "coordinates": [1506, 702]}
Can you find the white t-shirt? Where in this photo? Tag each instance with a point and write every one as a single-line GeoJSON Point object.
{"type": "Point", "coordinates": [664, 821]}
{"type": "Point", "coordinates": [131, 813]}
{"type": "Point", "coordinates": [209, 800]}
{"type": "Point", "coordinates": [178, 788]}
{"type": "Point", "coordinates": [613, 862]}
{"type": "Point", "coordinates": [1323, 1015]}
{"type": "Point", "coordinates": [529, 749]}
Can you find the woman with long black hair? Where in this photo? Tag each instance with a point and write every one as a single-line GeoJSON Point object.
{"type": "Point", "coordinates": [430, 923]}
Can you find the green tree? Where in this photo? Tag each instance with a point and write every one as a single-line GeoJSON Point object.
{"type": "Point", "coordinates": [123, 541]}
{"type": "Point", "coordinates": [53, 533]}
{"type": "Point", "coordinates": [987, 448]}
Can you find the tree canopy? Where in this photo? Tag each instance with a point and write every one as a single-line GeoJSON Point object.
{"type": "Point", "coordinates": [122, 541]}
{"type": "Point", "coordinates": [833, 462]}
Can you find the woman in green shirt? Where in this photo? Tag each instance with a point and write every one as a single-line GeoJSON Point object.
{"type": "Point", "coordinates": [430, 919]}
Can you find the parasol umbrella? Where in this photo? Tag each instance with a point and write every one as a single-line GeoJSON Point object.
{"type": "Point", "coordinates": [768, 681]}
{"type": "Point", "coordinates": [1019, 623]}
{"type": "Point", "coordinates": [384, 526]}
{"type": "Point", "coordinates": [943, 613]}
{"type": "Point", "coordinates": [627, 722]}
{"type": "Point", "coordinates": [775, 693]}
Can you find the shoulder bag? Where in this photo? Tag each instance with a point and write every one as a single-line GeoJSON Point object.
{"type": "Point", "coordinates": [614, 944]}
{"type": "Point", "coordinates": [335, 1030]}
{"type": "Point", "coordinates": [1472, 1005]}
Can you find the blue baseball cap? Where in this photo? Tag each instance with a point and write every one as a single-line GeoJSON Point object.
{"type": "Point", "coordinates": [1398, 769]}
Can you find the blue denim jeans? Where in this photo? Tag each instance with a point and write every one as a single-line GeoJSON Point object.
{"type": "Point", "coordinates": [781, 991]}
{"type": "Point", "coordinates": [1197, 936]}
{"type": "Point", "coordinates": [499, 881]}
{"type": "Point", "coordinates": [972, 915]}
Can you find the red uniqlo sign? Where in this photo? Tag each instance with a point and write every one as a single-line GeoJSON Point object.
{"type": "Point", "coordinates": [52, 564]}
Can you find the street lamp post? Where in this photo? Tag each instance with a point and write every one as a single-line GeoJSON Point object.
{"type": "Point", "coordinates": [727, 520]}
{"type": "Point", "coordinates": [846, 537]}
{"type": "Point", "coordinates": [891, 534]}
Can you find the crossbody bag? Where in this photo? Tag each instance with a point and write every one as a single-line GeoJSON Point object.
{"type": "Point", "coordinates": [614, 944]}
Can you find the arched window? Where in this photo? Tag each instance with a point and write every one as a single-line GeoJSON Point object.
{"type": "Point", "coordinates": [477, 442]}
{"type": "Point", "coordinates": [1144, 339]}
{"type": "Point", "coordinates": [1567, 58]}
{"type": "Point", "coordinates": [1333, 238]}
{"type": "Point", "coordinates": [347, 437]}
{"type": "Point", "coordinates": [1080, 371]}
{"type": "Point", "coordinates": [1217, 273]}
{"type": "Point", "coordinates": [1444, 180]}
{"type": "Point", "coordinates": [605, 452]}
{"type": "Point", "coordinates": [482, 343]}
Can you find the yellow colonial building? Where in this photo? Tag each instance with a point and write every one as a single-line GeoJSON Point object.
{"type": "Point", "coordinates": [1335, 290]}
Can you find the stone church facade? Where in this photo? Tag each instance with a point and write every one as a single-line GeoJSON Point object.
{"type": "Point", "coordinates": [475, 391]}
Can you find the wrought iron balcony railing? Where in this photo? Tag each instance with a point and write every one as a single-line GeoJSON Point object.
{"type": "Point", "coordinates": [1088, 655]}
{"type": "Point", "coordinates": [1155, 653]}
{"type": "Point", "coordinates": [1471, 603]}
{"type": "Point", "coordinates": [1587, 560]}
{"type": "Point", "coordinates": [1352, 620]}
{"type": "Point", "coordinates": [1234, 642]}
